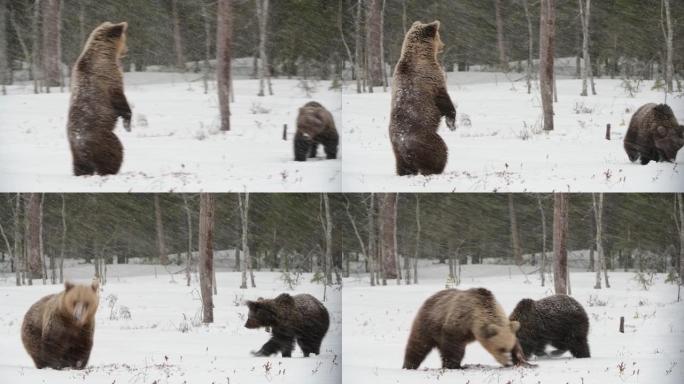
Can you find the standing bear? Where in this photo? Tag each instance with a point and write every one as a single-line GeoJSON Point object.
{"type": "Point", "coordinates": [58, 329]}
{"type": "Point", "coordinates": [451, 319]}
{"type": "Point", "coordinates": [653, 134]}
{"type": "Point", "coordinates": [558, 320]}
{"type": "Point", "coordinates": [419, 100]}
{"type": "Point", "coordinates": [97, 101]}
{"type": "Point", "coordinates": [301, 317]}
{"type": "Point", "coordinates": [315, 125]}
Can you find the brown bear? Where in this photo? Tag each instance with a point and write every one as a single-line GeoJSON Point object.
{"type": "Point", "coordinates": [558, 320]}
{"type": "Point", "coordinates": [301, 317]}
{"type": "Point", "coordinates": [653, 134]}
{"type": "Point", "coordinates": [419, 100]}
{"type": "Point", "coordinates": [315, 125]}
{"type": "Point", "coordinates": [58, 329]}
{"type": "Point", "coordinates": [97, 101]}
{"type": "Point", "coordinates": [453, 318]}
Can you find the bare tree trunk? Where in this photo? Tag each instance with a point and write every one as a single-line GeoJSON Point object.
{"type": "Point", "coordinates": [62, 248]}
{"type": "Point", "coordinates": [542, 265]}
{"type": "Point", "coordinates": [375, 42]}
{"type": "Point", "coordinates": [35, 38]}
{"type": "Point", "coordinates": [207, 45]}
{"type": "Point", "coordinates": [547, 26]}
{"type": "Point", "coordinates": [161, 244]}
{"type": "Point", "coordinates": [371, 239]}
{"type": "Point", "coordinates": [503, 60]}
{"type": "Point", "coordinates": [81, 23]}
{"type": "Point", "coordinates": [598, 215]}
{"type": "Point", "coordinates": [327, 229]}
{"type": "Point", "coordinates": [206, 255]}
{"type": "Point", "coordinates": [560, 236]}
{"type": "Point", "coordinates": [404, 20]}
{"type": "Point", "coordinates": [177, 42]}
{"type": "Point", "coordinates": [10, 252]}
{"type": "Point", "coordinates": [4, 62]}
{"type": "Point", "coordinates": [17, 234]}
{"type": "Point", "coordinates": [247, 257]}
{"type": "Point", "coordinates": [340, 26]}
{"type": "Point", "coordinates": [383, 69]}
{"type": "Point", "coordinates": [35, 262]}
{"type": "Point", "coordinates": [668, 34]}
{"type": "Point", "coordinates": [224, 32]}
{"type": "Point", "coordinates": [515, 237]}
{"type": "Point", "coordinates": [587, 75]}
{"type": "Point", "coordinates": [415, 256]}
{"type": "Point", "coordinates": [358, 47]}
{"type": "Point", "coordinates": [188, 258]}
{"type": "Point", "coordinates": [19, 34]}
{"type": "Point", "coordinates": [51, 43]}
{"type": "Point", "coordinates": [388, 216]}
{"type": "Point", "coordinates": [262, 17]}
{"type": "Point", "coordinates": [680, 203]}
{"type": "Point", "coordinates": [530, 48]}
{"type": "Point", "coordinates": [358, 237]}
{"type": "Point", "coordinates": [397, 259]}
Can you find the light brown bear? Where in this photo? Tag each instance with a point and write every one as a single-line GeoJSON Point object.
{"type": "Point", "coordinates": [58, 329]}
{"type": "Point", "coordinates": [419, 100]}
{"type": "Point", "coordinates": [453, 318]}
{"type": "Point", "coordinates": [97, 101]}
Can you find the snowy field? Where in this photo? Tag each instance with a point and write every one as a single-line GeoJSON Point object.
{"type": "Point", "coordinates": [163, 341]}
{"type": "Point", "coordinates": [504, 148]}
{"type": "Point", "coordinates": [377, 322]}
{"type": "Point", "coordinates": [175, 144]}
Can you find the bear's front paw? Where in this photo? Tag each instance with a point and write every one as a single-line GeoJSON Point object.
{"type": "Point", "coordinates": [451, 122]}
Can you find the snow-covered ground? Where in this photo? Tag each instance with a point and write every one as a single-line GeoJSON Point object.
{"type": "Point", "coordinates": [164, 340]}
{"type": "Point", "coordinates": [175, 144]}
{"type": "Point", "coordinates": [504, 148]}
{"type": "Point", "coordinates": [377, 321]}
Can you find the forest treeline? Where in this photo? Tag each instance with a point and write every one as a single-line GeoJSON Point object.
{"type": "Point", "coordinates": [291, 232]}
{"type": "Point", "coordinates": [324, 38]}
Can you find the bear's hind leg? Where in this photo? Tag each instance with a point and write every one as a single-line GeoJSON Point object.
{"type": "Point", "coordinates": [431, 155]}
{"type": "Point", "coordinates": [109, 155]}
{"type": "Point", "coordinates": [452, 355]}
{"type": "Point", "coordinates": [330, 143]}
{"type": "Point", "coordinates": [310, 344]}
{"type": "Point", "coordinates": [275, 344]}
{"type": "Point", "coordinates": [313, 150]}
{"type": "Point", "coordinates": [301, 147]}
{"type": "Point", "coordinates": [417, 349]}
{"type": "Point", "coordinates": [81, 166]}
{"type": "Point", "coordinates": [580, 348]}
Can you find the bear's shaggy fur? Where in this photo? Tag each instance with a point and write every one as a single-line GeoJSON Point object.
{"type": "Point", "coordinates": [419, 100]}
{"type": "Point", "coordinates": [558, 320]}
{"type": "Point", "coordinates": [58, 329]}
{"type": "Point", "coordinates": [653, 134]}
{"type": "Point", "coordinates": [451, 319]}
{"type": "Point", "coordinates": [315, 125]}
{"type": "Point", "coordinates": [301, 317]}
{"type": "Point", "coordinates": [97, 100]}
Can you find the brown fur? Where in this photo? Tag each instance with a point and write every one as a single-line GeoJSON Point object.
{"type": "Point", "coordinates": [58, 329]}
{"type": "Point", "coordinates": [653, 134]}
{"type": "Point", "coordinates": [97, 101]}
{"type": "Point", "coordinates": [451, 319]}
{"type": "Point", "coordinates": [315, 125]}
{"type": "Point", "coordinates": [419, 100]}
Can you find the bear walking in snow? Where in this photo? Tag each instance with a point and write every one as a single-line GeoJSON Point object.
{"type": "Point", "coordinates": [301, 317]}
{"type": "Point", "coordinates": [97, 101]}
{"type": "Point", "coordinates": [558, 320]}
{"type": "Point", "coordinates": [451, 319]}
{"type": "Point", "coordinates": [419, 100]}
{"type": "Point", "coordinates": [58, 329]}
{"type": "Point", "coordinates": [315, 125]}
{"type": "Point", "coordinates": [653, 134]}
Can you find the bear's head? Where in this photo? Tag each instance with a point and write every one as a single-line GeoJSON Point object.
{"type": "Point", "coordinates": [423, 39]}
{"type": "Point", "coordinates": [79, 302]}
{"type": "Point", "coordinates": [668, 141]}
{"type": "Point", "coordinates": [500, 340]}
{"type": "Point", "coordinates": [264, 312]}
{"type": "Point", "coordinates": [109, 36]}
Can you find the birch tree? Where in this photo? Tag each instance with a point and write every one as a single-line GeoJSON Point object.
{"type": "Point", "coordinates": [666, 25]}
{"type": "Point", "coordinates": [177, 42]}
{"type": "Point", "coordinates": [52, 42]}
{"type": "Point", "coordinates": [515, 237]}
{"type": "Point", "coordinates": [188, 256]}
{"type": "Point", "coordinates": [542, 263]}
{"type": "Point", "coordinates": [327, 231]}
{"type": "Point", "coordinates": [418, 229]}
{"type": "Point", "coordinates": [374, 43]}
{"type": "Point", "coordinates": [358, 46]}
{"type": "Point", "coordinates": [264, 73]}
{"type": "Point", "coordinates": [159, 225]}
{"type": "Point", "coordinates": [371, 238]}
{"type": "Point", "coordinates": [587, 74]}
{"type": "Point", "coordinates": [601, 258]}
{"type": "Point", "coordinates": [206, 255]}
{"type": "Point", "coordinates": [4, 63]}
{"type": "Point", "coordinates": [560, 236]}
{"type": "Point", "coordinates": [224, 32]}
{"type": "Point", "coordinates": [35, 46]}
{"type": "Point", "coordinates": [388, 215]}
{"type": "Point", "coordinates": [247, 257]}
{"type": "Point", "coordinates": [35, 261]}
{"type": "Point", "coordinates": [680, 203]}
{"type": "Point", "coordinates": [530, 47]}
{"type": "Point", "coordinates": [547, 26]}
{"type": "Point", "coordinates": [63, 245]}
{"type": "Point", "coordinates": [503, 59]}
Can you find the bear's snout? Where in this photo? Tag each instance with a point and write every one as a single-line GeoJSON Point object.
{"type": "Point", "coordinates": [251, 323]}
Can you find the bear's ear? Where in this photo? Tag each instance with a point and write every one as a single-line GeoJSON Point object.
{"type": "Point", "coordinates": [252, 305]}
{"type": "Point", "coordinates": [117, 30]}
{"type": "Point", "coordinates": [95, 285]}
{"type": "Point", "coordinates": [489, 330]}
{"type": "Point", "coordinates": [284, 298]}
{"type": "Point", "coordinates": [661, 131]}
{"type": "Point", "coordinates": [430, 30]}
{"type": "Point", "coordinates": [68, 285]}
{"type": "Point", "coordinates": [515, 326]}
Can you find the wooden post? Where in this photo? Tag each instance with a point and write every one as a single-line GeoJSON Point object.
{"type": "Point", "coordinates": [622, 324]}
{"type": "Point", "coordinates": [285, 132]}
{"type": "Point", "coordinates": [607, 131]}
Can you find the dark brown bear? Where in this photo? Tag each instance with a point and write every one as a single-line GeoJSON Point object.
{"type": "Point", "coordinates": [301, 317]}
{"type": "Point", "coordinates": [97, 101]}
{"type": "Point", "coordinates": [58, 329]}
{"type": "Point", "coordinates": [315, 125]}
{"type": "Point", "coordinates": [451, 319]}
{"type": "Point", "coordinates": [419, 100]}
{"type": "Point", "coordinates": [653, 134]}
{"type": "Point", "coordinates": [558, 320]}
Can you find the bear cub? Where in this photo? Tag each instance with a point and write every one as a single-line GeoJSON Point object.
{"type": "Point", "coordinates": [653, 134]}
{"type": "Point", "coordinates": [300, 318]}
{"type": "Point", "coordinates": [97, 101]}
{"type": "Point", "coordinates": [58, 329]}
{"type": "Point", "coordinates": [315, 125]}
{"type": "Point", "coordinates": [419, 100]}
{"type": "Point", "coordinates": [558, 320]}
{"type": "Point", "coordinates": [451, 319]}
